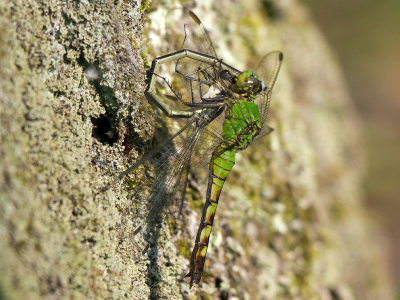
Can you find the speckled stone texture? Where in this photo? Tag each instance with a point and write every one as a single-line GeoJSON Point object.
{"type": "Point", "coordinates": [290, 224]}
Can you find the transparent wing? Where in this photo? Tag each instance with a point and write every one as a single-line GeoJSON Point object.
{"type": "Point", "coordinates": [182, 89]}
{"type": "Point", "coordinates": [267, 71]}
{"type": "Point", "coordinates": [191, 32]}
{"type": "Point", "coordinates": [190, 149]}
{"type": "Point", "coordinates": [192, 35]}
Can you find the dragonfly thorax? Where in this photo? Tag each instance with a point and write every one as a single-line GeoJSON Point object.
{"type": "Point", "coordinates": [247, 84]}
{"type": "Point", "coordinates": [242, 124]}
{"type": "Point", "coordinates": [248, 135]}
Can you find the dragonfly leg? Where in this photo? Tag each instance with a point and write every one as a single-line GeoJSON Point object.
{"type": "Point", "coordinates": [199, 105]}
{"type": "Point", "coordinates": [175, 56]}
{"type": "Point", "coordinates": [208, 80]}
{"type": "Point", "coordinates": [191, 78]}
{"type": "Point", "coordinates": [222, 96]}
{"type": "Point", "coordinates": [206, 74]}
{"type": "Point", "coordinates": [215, 98]}
{"type": "Point", "coordinates": [152, 96]}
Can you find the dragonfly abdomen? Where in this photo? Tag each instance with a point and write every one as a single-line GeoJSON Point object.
{"type": "Point", "coordinates": [220, 166]}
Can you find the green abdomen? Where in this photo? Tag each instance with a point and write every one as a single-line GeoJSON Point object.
{"type": "Point", "coordinates": [241, 125]}
{"type": "Point", "coordinates": [219, 170]}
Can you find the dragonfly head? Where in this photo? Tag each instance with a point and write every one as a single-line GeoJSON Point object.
{"type": "Point", "coordinates": [247, 84]}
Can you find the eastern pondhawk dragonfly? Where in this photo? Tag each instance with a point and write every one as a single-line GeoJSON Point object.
{"type": "Point", "coordinates": [223, 109]}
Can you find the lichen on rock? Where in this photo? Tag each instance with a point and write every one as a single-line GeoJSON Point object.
{"type": "Point", "coordinates": [291, 223]}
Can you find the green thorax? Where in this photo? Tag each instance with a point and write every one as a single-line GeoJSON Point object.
{"type": "Point", "coordinates": [242, 124]}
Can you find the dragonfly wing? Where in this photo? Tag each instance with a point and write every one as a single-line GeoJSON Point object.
{"type": "Point", "coordinates": [191, 149]}
{"type": "Point", "coordinates": [171, 163]}
{"type": "Point", "coordinates": [267, 71]}
{"type": "Point", "coordinates": [195, 36]}
{"type": "Point", "coordinates": [192, 35]}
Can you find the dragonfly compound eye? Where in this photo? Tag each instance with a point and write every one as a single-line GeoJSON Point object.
{"type": "Point", "coordinates": [247, 84]}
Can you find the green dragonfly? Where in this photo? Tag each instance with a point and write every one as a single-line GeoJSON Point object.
{"type": "Point", "coordinates": [223, 109]}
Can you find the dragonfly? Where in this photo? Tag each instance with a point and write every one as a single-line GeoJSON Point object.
{"type": "Point", "coordinates": [222, 109]}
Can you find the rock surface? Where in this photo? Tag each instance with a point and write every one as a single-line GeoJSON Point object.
{"type": "Point", "coordinates": [291, 223]}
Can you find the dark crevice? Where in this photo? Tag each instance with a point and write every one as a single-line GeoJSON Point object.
{"type": "Point", "coordinates": [103, 130]}
{"type": "Point", "coordinates": [224, 295]}
{"type": "Point", "coordinates": [66, 60]}
{"type": "Point", "coordinates": [104, 126]}
{"type": "Point", "coordinates": [271, 9]}
{"type": "Point", "coordinates": [218, 282]}
{"type": "Point", "coordinates": [334, 294]}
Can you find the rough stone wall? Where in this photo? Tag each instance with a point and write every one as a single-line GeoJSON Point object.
{"type": "Point", "coordinates": [72, 113]}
